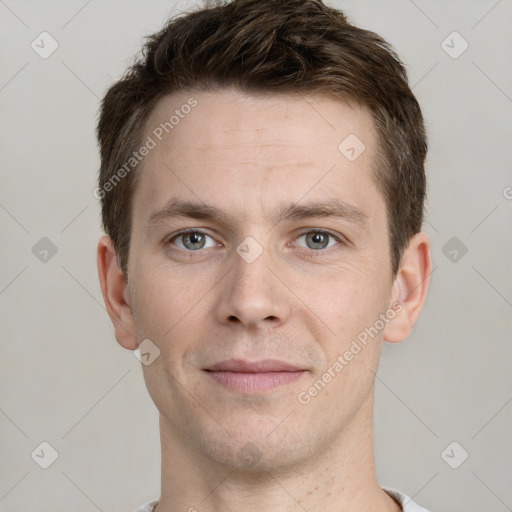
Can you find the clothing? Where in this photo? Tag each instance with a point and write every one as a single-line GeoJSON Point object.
{"type": "Point", "coordinates": [407, 504]}
{"type": "Point", "coordinates": [148, 507]}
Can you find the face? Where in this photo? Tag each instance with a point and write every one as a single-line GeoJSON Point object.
{"type": "Point", "coordinates": [259, 255]}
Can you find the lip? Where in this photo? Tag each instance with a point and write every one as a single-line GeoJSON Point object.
{"type": "Point", "coordinates": [254, 376]}
{"type": "Point", "coordinates": [241, 366]}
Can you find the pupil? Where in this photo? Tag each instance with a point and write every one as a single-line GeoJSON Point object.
{"type": "Point", "coordinates": [195, 238]}
{"type": "Point", "coordinates": [318, 239]}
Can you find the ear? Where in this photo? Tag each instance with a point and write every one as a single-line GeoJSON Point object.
{"type": "Point", "coordinates": [115, 293]}
{"type": "Point", "coordinates": [410, 288]}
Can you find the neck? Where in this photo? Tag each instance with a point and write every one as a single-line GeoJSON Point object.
{"type": "Point", "coordinates": [341, 478]}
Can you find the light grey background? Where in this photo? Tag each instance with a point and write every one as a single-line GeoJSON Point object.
{"type": "Point", "coordinates": [66, 381]}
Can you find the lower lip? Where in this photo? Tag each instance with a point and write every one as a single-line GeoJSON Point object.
{"type": "Point", "coordinates": [254, 382]}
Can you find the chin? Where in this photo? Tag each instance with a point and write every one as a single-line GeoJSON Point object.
{"type": "Point", "coordinates": [257, 451]}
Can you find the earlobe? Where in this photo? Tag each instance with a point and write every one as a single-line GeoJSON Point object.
{"type": "Point", "coordinates": [410, 288]}
{"type": "Point", "coordinates": [115, 294]}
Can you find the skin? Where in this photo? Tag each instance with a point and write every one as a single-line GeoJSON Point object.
{"type": "Point", "coordinates": [247, 155]}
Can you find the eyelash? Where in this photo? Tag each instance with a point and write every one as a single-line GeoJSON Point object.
{"type": "Point", "coordinates": [313, 253]}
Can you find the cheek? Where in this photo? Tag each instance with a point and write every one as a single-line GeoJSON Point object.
{"type": "Point", "coordinates": [350, 302]}
{"type": "Point", "coordinates": [170, 307]}
{"type": "Point", "coordinates": [160, 301]}
{"type": "Point", "coordinates": [351, 307]}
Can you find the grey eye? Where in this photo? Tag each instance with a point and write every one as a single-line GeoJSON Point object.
{"type": "Point", "coordinates": [193, 240]}
{"type": "Point", "coordinates": [318, 240]}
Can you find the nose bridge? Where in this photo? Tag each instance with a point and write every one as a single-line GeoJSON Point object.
{"type": "Point", "coordinates": [252, 294]}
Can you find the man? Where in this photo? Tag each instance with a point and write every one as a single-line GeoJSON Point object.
{"type": "Point", "coordinates": [262, 190]}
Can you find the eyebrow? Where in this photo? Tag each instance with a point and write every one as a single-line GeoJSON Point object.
{"type": "Point", "coordinates": [175, 208]}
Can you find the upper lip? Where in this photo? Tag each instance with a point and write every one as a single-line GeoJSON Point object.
{"type": "Point", "coordinates": [241, 366]}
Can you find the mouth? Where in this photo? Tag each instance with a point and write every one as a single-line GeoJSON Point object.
{"type": "Point", "coordinates": [254, 377]}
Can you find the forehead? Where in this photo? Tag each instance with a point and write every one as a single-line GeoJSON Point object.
{"type": "Point", "coordinates": [255, 150]}
{"type": "Point", "coordinates": [249, 119]}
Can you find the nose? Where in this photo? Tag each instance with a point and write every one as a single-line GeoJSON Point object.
{"type": "Point", "coordinates": [252, 295]}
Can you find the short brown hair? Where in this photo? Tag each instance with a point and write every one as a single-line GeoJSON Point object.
{"type": "Point", "coordinates": [268, 46]}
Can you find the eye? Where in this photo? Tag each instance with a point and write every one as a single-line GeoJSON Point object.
{"type": "Point", "coordinates": [192, 240]}
{"type": "Point", "coordinates": [319, 239]}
